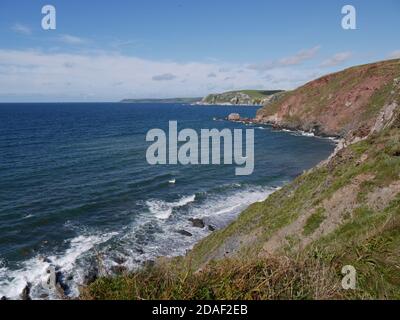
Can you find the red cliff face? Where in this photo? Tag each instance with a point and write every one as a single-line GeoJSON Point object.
{"type": "Point", "coordinates": [338, 103]}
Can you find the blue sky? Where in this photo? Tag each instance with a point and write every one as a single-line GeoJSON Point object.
{"type": "Point", "coordinates": [138, 49]}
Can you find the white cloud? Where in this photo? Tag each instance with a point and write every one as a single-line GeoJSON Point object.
{"type": "Point", "coordinates": [42, 76]}
{"type": "Point", "coordinates": [297, 59]}
{"type": "Point", "coordinates": [263, 66]}
{"type": "Point", "coordinates": [22, 29]}
{"type": "Point", "coordinates": [394, 54]}
{"type": "Point", "coordinates": [73, 40]}
{"type": "Point", "coordinates": [164, 77]}
{"type": "Point", "coordinates": [300, 57]}
{"type": "Point", "coordinates": [337, 59]}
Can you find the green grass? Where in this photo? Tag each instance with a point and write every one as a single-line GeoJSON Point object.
{"type": "Point", "coordinates": [256, 95]}
{"type": "Point", "coordinates": [233, 279]}
{"type": "Point", "coordinates": [313, 222]}
{"type": "Point", "coordinates": [259, 94]}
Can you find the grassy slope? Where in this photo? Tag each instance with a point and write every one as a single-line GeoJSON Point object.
{"type": "Point", "coordinates": [359, 188]}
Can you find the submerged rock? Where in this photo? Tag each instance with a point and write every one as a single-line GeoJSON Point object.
{"type": "Point", "coordinates": [25, 294]}
{"type": "Point", "coordinates": [211, 228]}
{"type": "Point", "coordinates": [119, 260]}
{"type": "Point", "coordinates": [197, 222]}
{"type": "Point", "coordinates": [61, 286]}
{"type": "Point", "coordinates": [44, 296]}
{"type": "Point", "coordinates": [185, 233]}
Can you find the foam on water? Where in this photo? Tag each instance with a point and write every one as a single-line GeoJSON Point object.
{"type": "Point", "coordinates": [156, 235]}
{"type": "Point", "coordinates": [163, 210]}
{"type": "Point", "coordinates": [33, 271]}
{"type": "Point", "coordinates": [215, 209]}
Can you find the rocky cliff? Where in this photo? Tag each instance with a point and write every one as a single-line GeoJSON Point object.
{"type": "Point", "coordinates": [336, 104]}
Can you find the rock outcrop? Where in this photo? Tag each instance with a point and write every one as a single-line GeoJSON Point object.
{"type": "Point", "coordinates": [234, 117]}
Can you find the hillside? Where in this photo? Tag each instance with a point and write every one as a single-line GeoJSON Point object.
{"type": "Point", "coordinates": [242, 97]}
{"type": "Point", "coordinates": [345, 211]}
{"type": "Point", "coordinates": [337, 103]}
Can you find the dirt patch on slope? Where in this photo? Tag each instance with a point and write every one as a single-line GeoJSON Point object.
{"type": "Point", "coordinates": [342, 202]}
{"type": "Point", "coordinates": [381, 197]}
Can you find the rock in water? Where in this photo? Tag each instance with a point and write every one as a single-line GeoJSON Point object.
{"type": "Point", "coordinates": [184, 233]}
{"type": "Point", "coordinates": [25, 294]}
{"type": "Point", "coordinates": [197, 223]}
{"type": "Point", "coordinates": [92, 273]}
{"type": "Point", "coordinates": [234, 117]}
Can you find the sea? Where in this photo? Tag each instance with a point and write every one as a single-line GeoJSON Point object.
{"type": "Point", "coordinates": [78, 197]}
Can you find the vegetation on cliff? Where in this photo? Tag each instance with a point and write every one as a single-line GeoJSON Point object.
{"type": "Point", "coordinates": [242, 97]}
{"type": "Point", "coordinates": [346, 211]}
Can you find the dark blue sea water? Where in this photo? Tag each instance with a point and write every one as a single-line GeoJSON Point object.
{"type": "Point", "coordinates": [75, 186]}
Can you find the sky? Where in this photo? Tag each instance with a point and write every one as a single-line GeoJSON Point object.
{"type": "Point", "coordinates": [112, 50]}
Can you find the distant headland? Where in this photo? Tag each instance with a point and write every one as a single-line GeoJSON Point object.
{"type": "Point", "coordinates": [230, 98]}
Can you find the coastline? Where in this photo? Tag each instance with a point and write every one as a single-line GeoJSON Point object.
{"type": "Point", "coordinates": [121, 270]}
{"type": "Point", "coordinates": [283, 128]}
{"type": "Point", "coordinates": [226, 207]}
{"type": "Point", "coordinates": [162, 259]}
{"type": "Point", "coordinates": [294, 244]}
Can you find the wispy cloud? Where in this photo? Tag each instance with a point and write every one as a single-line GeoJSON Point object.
{"type": "Point", "coordinates": [73, 40]}
{"type": "Point", "coordinates": [122, 44]}
{"type": "Point", "coordinates": [296, 59]}
{"type": "Point", "coordinates": [264, 66]}
{"type": "Point", "coordinates": [21, 29]}
{"type": "Point", "coordinates": [300, 57]}
{"type": "Point", "coordinates": [164, 77]}
{"type": "Point", "coordinates": [337, 59]}
{"type": "Point", "coordinates": [394, 54]}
